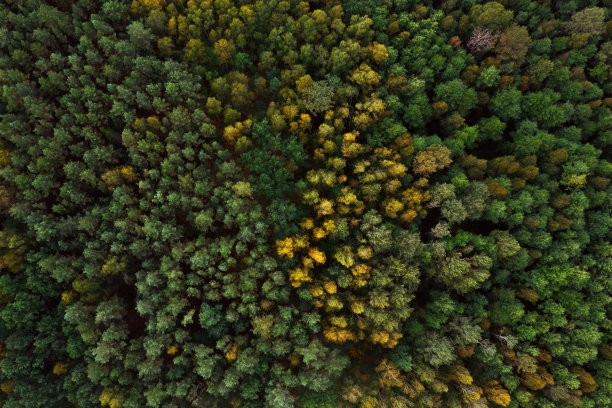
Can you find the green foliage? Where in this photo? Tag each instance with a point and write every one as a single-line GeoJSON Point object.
{"type": "Point", "coordinates": [457, 96]}
{"type": "Point", "coordinates": [305, 204]}
{"type": "Point", "coordinates": [506, 104]}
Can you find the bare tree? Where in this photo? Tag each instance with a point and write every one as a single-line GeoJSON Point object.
{"type": "Point", "coordinates": [481, 37]}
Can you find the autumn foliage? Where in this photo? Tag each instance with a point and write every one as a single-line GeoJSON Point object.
{"type": "Point", "coordinates": [309, 204]}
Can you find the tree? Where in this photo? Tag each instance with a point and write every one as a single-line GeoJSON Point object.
{"type": "Point", "coordinates": [224, 50]}
{"type": "Point", "coordinates": [459, 273]}
{"type": "Point", "coordinates": [183, 251]}
{"type": "Point", "coordinates": [506, 104]}
{"type": "Point", "coordinates": [457, 95]}
{"type": "Point", "coordinates": [431, 159]}
{"type": "Point", "coordinates": [513, 43]}
{"type": "Point", "coordinates": [318, 96]}
{"type": "Point", "coordinates": [491, 16]}
{"type": "Point", "coordinates": [194, 51]}
{"type": "Point", "coordinates": [588, 21]}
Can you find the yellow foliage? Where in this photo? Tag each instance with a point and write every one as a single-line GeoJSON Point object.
{"type": "Point", "coordinates": [325, 131]}
{"type": "Point", "coordinates": [318, 233]}
{"type": "Point", "coordinates": [330, 287]}
{"type": "Point", "coordinates": [471, 393]}
{"type": "Point", "coordinates": [294, 359]}
{"type": "Point", "coordinates": [358, 307]}
{"type": "Point", "coordinates": [266, 304]}
{"type": "Point", "coordinates": [301, 241]}
{"type": "Point", "coordinates": [290, 111]}
{"type": "Point", "coordinates": [359, 282]}
{"type": "Point", "coordinates": [319, 177]}
{"type": "Point", "coordinates": [317, 302]}
{"type": "Point", "coordinates": [497, 394]}
{"type": "Point", "coordinates": [361, 270]}
{"type": "Point", "coordinates": [246, 13]}
{"type": "Point", "coordinates": [234, 132]}
{"type": "Point", "coordinates": [379, 53]}
{"type": "Point", "coordinates": [318, 256]}
{"type": "Point", "coordinates": [413, 388]}
{"type": "Point", "coordinates": [496, 190]}
{"type": "Point", "coordinates": [303, 83]}
{"type": "Point", "coordinates": [373, 105]}
{"type": "Point", "coordinates": [172, 350]}
{"type": "Point", "coordinates": [308, 263]}
{"type": "Point", "coordinates": [408, 215]}
{"type": "Point", "coordinates": [465, 351]}
{"type": "Point", "coordinates": [127, 172]}
{"type": "Point", "coordinates": [329, 147]}
{"type": "Point", "coordinates": [362, 120]}
{"type": "Point", "coordinates": [527, 294]}
{"type": "Point", "coordinates": [439, 108]}
{"type": "Point", "coordinates": [391, 186]}
{"type": "Point", "coordinates": [431, 159]}
{"type": "Point", "coordinates": [346, 196]}
{"type": "Point", "coordinates": [361, 166]}
{"type": "Point", "coordinates": [329, 226]}
{"type": "Point", "coordinates": [365, 76]}
{"type": "Point", "coordinates": [587, 382]}
{"type": "Point", "coordinates": [333, 303]}
{"type": "Point", "coordinates": [325, 207]}
{"type": "Point", "coordinates": [380, 337]}
{"type": "Point", "coordinates": [111, 397]}
{"type": "Point", "coordinates": [113, 266]}
{"type": "Point", "coordinates": [365, 252]}
{"type": "Point", "coordinates": [404, 145]}
{"type": "Point", "coordinates": [172, 26]}
{"type": "Point", "coordinates": [574, 181]}
{"type": "Point", "coordinates": [153, 123]}
{"type": "Point", "coordinates": [141, 6]}
{"type": "Point", "coordinates": [224, 50]}
{"type": "Point", "coordinates": [352, 393]}
{"type": "Point", "coordinates": [311, 196]}
{"type": "Point", "coordinates": [350, 148]}
{"type": "Point", "coordinates": [359, 208]}
{"type": "Point", "coordinates": [461, 374]}
{"type": "Point", "coordinates": [117, 176]}
{"type": "Point", "coordinates": [317, 291]}
{"type": "Point", "coordinates": [285, 247]}
{"type": "Point", "coordinates": [368, 111]}
{"type": "Point", "coordinates": [4, 299]}
{"type": "Point", "coordinates": [388, 374]}
{"type": "Point", "coordinates": [345, 256]}
{"type": "Point", "coordinates": [7, 387]}
{"type": "Point", "coordinates": [412, 196]}
{"type": "Point", "coordinates": [60, 368]}
{"type": "Point", "coordinates": [338, 321]}
{"type": "Point", "coordinates": [298, 276]}
{"type": "Point", "coordinates": [304, 121]}
{"type": "Point", "coordinates": [388, 340]}
{"type": "Point", "coordinates": [231, 134]}
{"type": "Point", "coordinates": [538, 380]}
{"type": "Point", "coordinates": [307, 224]}
{"type": "Point", "coordinates": [439, 387]}
{"type": "Point", "coordinates": [232, 353]}
{"type": "Point", "coordinates": [394, 168]}
{"type": "Point", "coordinates": [369, 402]}
{"type": "Point", "coordinates": [11, 260]}
{"type": "Point", "coordinates": [4, 157]}
{"type": "Point", "coordinates": [392, 206]}
{"type": "Point", "coordinates": [338, 335]}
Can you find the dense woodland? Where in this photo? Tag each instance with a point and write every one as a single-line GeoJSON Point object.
{"type": "Point", "coordinates": [310, 204]}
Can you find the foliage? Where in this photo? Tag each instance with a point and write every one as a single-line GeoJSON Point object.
{"type": "Point", "coordinates": [288, 203]}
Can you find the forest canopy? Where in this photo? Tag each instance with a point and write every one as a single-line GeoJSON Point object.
{"type": "Point", "coordinates": [305, 203]}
